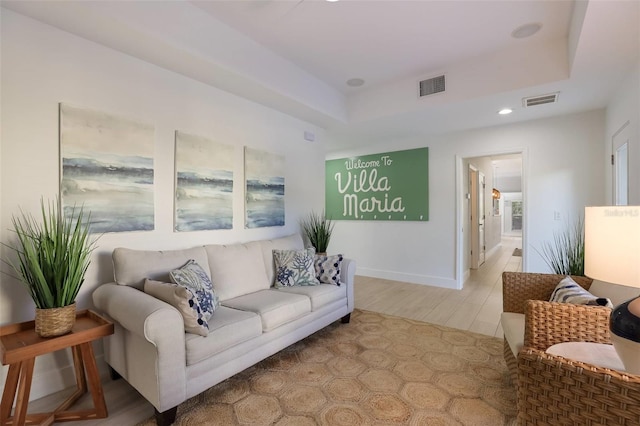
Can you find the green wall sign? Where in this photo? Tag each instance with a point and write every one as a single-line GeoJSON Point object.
{"type": "Point", "coordinates": [387, 186]}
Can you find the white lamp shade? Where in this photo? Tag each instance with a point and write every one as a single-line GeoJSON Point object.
{"type": "Point", "coordinates": [612, 244]}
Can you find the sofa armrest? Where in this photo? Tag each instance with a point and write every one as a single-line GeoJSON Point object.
{"type": "Point", "coordinates": [548, 323]}
{"type": "Point", "coordinates": [139, 312]}
{"type": "Point", "coordinates": [155, 356]}
{"type": "Point", "coordinates": [518, 287]}
{"type": "Point", "coordinates": [347, 277]}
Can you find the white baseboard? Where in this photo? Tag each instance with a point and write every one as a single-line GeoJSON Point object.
{"type": "Point", "coordinates": [409, 278]}
{"type": "Point", "coordinates": [493, 250]}
{"type": "Point", "coordinates": [465, 276]}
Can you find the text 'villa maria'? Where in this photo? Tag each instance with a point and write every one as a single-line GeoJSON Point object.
{"type": "Point", "coordinates": [359, 182]}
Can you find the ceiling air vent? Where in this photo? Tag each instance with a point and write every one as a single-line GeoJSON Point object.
{"type": "Point", "coordinates": [432, 86]}
{"type": "Point", "coordinates": [540, 100]}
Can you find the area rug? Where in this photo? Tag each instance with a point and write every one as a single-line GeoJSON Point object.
{"type": "Point", "coordinates": [517, 252]}
{"type": "Point", "coordinates": [376, 370]}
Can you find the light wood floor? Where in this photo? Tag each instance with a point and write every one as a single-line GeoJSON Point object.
{"type": "Point", "coordinates": [476, 308]}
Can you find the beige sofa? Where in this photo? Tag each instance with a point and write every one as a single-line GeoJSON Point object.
{"type": "Point", "coordinates": [150, 348]}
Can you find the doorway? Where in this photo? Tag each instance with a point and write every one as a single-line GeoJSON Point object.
{"type": "Point", "coordinates": [477, 216]}
{"type": "Point", "coordinates": [490, 194]}
{"type": "Point", "coordinates": [620, 163]}
{"type": "Point", "coordinates": [512, 218]}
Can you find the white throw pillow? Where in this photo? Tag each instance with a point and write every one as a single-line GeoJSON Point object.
{"type": "Point", "coordinates": [568, 291]}
{"type": "Point", "coordinates": [328, 268]}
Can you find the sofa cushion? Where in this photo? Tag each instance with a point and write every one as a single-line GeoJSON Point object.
{"type": "Point", "coordinates": [132, 267]}
{"type": "Point", "coordinates": [295, 267]}
{"type": "Point", "coordinates": [568, 291]}
{"type": "Point", "coordinates": [513, 327]}
{"type": "Point", "coordinates": [237, 269]}
{"type": "Point", "coordinates": [292, 242]}
{"type": "Point", "coordinates": [328, 268]}
{"type": "Point", "coordinates": [184, 301]}
{"type": "Point", "coordinates": [227, 328]}
{"type": "Point", "coordinates": [616, 293]}
{"type": "Point", "coordinates": [274, 307]}
{"type": "Point", "coordinates": [320, 295]}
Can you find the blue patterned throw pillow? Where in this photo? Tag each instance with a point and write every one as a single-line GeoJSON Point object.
{"type": "Point", "coordinates": [183, 300]}
{"type": "Point", "coordinates": [195, 279]}
{"type": "Point", "coordinates": [295, 267]}
{"type": "Point", "coordinates": [328, 268]}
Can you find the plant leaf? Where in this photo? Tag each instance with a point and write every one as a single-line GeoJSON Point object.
{"type": "Point", "coordinates": [53, 254]}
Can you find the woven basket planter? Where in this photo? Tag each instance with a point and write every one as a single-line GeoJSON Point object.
{"type": "Point", "coordinates": [52, 322]}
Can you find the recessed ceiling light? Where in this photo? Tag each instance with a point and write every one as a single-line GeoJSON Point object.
{"type": "Point", "coordinates": [332, 1]}
{"type": "Point", "coordinates": [355, 82]}
{"type": "Point", "coordinates": [526, 30]}
{"type": "Point", "coordinates": [505, 111]}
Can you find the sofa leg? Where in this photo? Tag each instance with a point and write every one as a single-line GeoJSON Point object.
{"type": "Point", "coordinates": [346, 318]}
{"type": "Point", "coordinates": [166, 417]}
{"type": "Point", "coordinates": [114, 374]}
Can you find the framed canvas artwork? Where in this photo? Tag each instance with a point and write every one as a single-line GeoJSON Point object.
{"type": "Point", "coordinates": [204, 184]}
{"type": "Point", "coordinates": [107, 167]}
{"type": "Point", "coordinates": [264, 185]}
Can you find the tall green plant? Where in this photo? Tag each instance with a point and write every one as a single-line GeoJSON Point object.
{"type": "Point", "coordinates": [318, 230]}
{"type": "Point", "coordinates": [53, 255]}
{"type": "Point", "coordinates": [565, 254]}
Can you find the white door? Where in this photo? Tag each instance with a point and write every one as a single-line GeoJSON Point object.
{"type": "Point", "coordinates": [476, 217]}
{"type": "Point", "coordinates": [473, 215]}
{"type": "Point", "coordinates": [481, 218]}
{"type": "Point", "coordinates": [620, 162]}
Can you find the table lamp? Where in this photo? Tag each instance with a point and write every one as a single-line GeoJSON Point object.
{"type": "Point", "coordinates": [612, 254]}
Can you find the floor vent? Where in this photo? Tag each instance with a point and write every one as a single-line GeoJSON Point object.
{"type": "Point", "coordinates": [432, 86]}
{"type": "Point", "coordinates": [551, 98]}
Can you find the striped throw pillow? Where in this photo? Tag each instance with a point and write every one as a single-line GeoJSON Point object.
{"type": "Point", "coordinates": [568, 291]}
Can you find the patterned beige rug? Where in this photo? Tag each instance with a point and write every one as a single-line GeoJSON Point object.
{"type": "Point", "coordinates": [378, 369]}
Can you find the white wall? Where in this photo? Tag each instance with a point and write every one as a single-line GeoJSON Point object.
{"type": "Point", "coordinates": [625, 106]}
{"type": "Point", "coordinates": [42, 66]}
{"type": "Point", "coordinates": [509, 183]}
{"type": "Point", "coordinates": [562, 171]}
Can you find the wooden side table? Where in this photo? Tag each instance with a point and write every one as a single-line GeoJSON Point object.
{"type": "Point", "coordinates": [19, 347]}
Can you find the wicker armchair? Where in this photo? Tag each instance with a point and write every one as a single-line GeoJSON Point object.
{"type": "Point", "coordinates": [553, 390]}
{"type": "Point", "coordinates": [568, 320]}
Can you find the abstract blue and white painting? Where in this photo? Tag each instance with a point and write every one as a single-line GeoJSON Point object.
{"type": "Point", "coordinates": [204, 184]}
{"type": "Point", "coordinates": [264, 176]}
{"type": "Point", "coordinates": [107, 167]}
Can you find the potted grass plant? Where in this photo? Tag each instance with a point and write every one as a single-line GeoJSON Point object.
{"type": "Point", "coordinates": [317, 228]}
{"type": "Point", "coordinates": [53, 255]}
{"type": "Point", "coordinates": [565, 254]}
